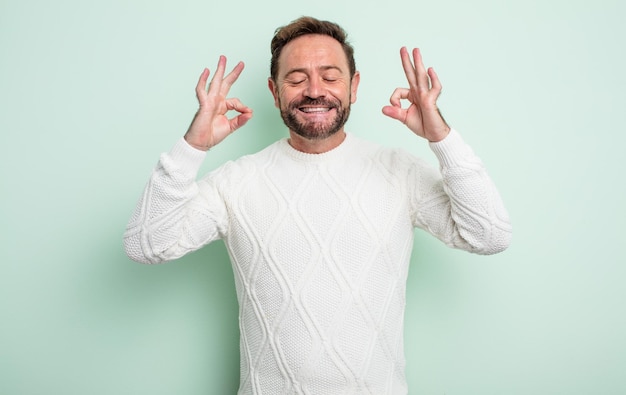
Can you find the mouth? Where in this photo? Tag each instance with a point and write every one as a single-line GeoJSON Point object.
{"type": "Point", "coordinates": [314, 110]}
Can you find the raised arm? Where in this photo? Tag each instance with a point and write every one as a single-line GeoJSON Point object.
{"type": "Point", "coordinates": [459, 204]}
{"type": "Point", "coordinates": [176, 214]}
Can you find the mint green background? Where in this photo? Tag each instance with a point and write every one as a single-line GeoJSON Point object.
{"type": "Point", "coordinates": [92, 91]}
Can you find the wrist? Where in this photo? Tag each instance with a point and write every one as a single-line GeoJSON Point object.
{"type": "Point", "coordinates": [439, 135]}
{"type": "Point", "coordinates": [199, 146]}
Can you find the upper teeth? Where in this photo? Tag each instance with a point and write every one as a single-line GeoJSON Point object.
{"type": "Point", "coordinates": [314, 109]}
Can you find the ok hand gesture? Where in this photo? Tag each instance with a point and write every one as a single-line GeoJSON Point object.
{"type": "Point", "coordinates": [422, 115]}
{"type": "Point", "coordinates": [210, 125]}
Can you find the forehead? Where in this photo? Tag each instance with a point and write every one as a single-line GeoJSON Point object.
{"type": "Point", "coordinates": [312, 51]}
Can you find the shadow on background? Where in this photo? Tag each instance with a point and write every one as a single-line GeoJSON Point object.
{"type": "Point", "coordinates": [175, 325]}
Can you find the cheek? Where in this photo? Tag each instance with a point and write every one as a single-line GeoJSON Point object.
{"type": "Point", "coordinates": [344, 95]}
{"type": "Point", "coordinates": [285, 96]}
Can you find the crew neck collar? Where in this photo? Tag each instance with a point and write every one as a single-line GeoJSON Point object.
{"type": "Point", "coordinates": [300, 156]}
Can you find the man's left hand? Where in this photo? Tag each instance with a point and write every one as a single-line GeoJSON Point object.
{"type": "Point", "coordinates": [422, 115]}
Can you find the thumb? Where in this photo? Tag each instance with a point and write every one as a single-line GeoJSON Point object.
{"type": "Point", "coordinates": [394, 112]}
{"type": "Point", "coordinates": [240, 120]}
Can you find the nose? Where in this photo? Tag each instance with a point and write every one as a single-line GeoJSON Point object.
{"type": "Point", "coordinates": [315, 88]}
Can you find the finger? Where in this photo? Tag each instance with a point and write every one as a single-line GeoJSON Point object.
{"type": "Point", "coordinates": [216, 81]}
{"type": "Point", "coordinates": [241, 119]}
{"type": "Point", "coordinates": [434, 79]}
{"type": "Point", "coordinates": [409, 70]}
{"type": "Point", "coordinates": [398, 95]}
{"type": "Point", "coordinates": [230, 79]}
{"type": "Point", "coordinates": [201, 85]}
{"type": "Point", "coordinates": [394, 112]}
{"type": "Point", "coordinates": [420, 70]}
{"type": "Point", "coordinates": [236, 105]}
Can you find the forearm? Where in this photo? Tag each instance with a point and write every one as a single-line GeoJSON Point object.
{"type": "Point", "coordinates": [168, 222]}
{"type": "Point", "coordinates": [466, 210]}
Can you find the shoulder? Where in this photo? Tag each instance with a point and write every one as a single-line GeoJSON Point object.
{"type": "Point", "coordinates": [237, 170]}
{"type": "Point", "coordinates": [391, 158]}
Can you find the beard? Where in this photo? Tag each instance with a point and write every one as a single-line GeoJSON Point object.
{"type": "Point", "coordinates": [315, 130]}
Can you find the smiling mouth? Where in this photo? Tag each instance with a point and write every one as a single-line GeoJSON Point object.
{"type": "Point", "coordinates": [315, 110]}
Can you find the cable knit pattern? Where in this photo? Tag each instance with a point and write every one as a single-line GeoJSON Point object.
{"type": "Point", "coordinates": [320, 246]}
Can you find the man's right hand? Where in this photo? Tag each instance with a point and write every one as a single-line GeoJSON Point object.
{"type": "Point", "coordinates": [210, 125]}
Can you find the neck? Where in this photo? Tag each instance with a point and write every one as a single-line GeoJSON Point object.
{"type": "Point", "coordinates": [314, 146]}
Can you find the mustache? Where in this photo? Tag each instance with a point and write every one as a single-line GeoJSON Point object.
{"type": "Point", "coordinates": [314, 102]}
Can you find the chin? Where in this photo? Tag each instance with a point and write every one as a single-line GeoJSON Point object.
{"type": "Point", "coordinates": [314, 130]}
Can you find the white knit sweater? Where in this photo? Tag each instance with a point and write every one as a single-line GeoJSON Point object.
{"type": "Point", "coordinates": [320, 246]}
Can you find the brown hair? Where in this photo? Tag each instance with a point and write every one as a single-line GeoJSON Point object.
{"type": "Point", "coordinates": [309, 25]}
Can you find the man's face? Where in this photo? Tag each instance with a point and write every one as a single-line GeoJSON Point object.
{"type": "Point", "coordinates": [313, 88]}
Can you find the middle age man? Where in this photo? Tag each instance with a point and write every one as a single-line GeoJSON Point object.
{"type": "Point", "coordinates": [318, 226]}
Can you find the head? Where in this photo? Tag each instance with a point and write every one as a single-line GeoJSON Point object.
{"type": "Point", "coordinates": [308, 25]}
{"type": "Point", "coordinates": [313, 77]}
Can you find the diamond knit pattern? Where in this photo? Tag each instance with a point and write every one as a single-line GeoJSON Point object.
{"type": "Point", "coordinates": [320, 246]}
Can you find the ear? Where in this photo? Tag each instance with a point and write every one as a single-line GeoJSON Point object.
{"type": "Point", "coordinates": [354, 86]}
{"type": "Point", "coordinates": [274, 89]}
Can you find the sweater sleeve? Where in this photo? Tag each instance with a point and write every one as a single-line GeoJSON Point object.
{"type": "Point", "coordinates": [175, 215]}
{"type": "Point", "coordinates": [460, 205]}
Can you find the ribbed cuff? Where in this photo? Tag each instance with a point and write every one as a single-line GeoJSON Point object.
{"type": "Point", "coordinates": [452, 150]}
{"type": "Point", "coordinates": [187, 158]}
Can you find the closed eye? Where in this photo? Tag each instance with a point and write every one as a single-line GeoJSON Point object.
{"type": "Point", "coordinates": [295, 81]}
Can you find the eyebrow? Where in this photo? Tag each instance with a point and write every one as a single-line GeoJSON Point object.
{"type": "Point", "coordinates": [304, 70]}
